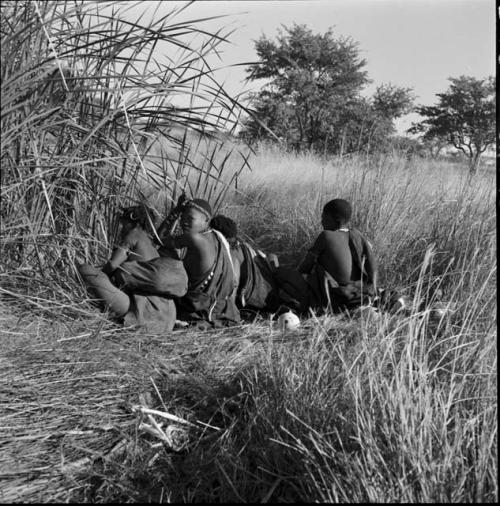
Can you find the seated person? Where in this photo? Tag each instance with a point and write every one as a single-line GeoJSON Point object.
{"type": "Point", "coordinates": [147, 282]}
{"type": "Point", "coordinates": [207, 260]}
{"type": "Point", "coordinates": [338, 272]}
{"type": "Point", "coordinates": [340, 267]}
{"type": "Point", "coordinates": [135, 242]}
{"type": "Point", "coordinates": [256, 287]}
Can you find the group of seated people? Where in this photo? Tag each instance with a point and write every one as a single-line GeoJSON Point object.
{"type": "Point", "coordinates": [206, 275]}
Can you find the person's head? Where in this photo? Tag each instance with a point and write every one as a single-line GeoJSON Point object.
{"type": "Point", "coordinates": [196, 215]}
{"type": "Point", "coordinates": [136, 216]}
{"type": "Point", "coordinates": [227, 227]}
{"type": "Point", "coordinates": [336, 214]}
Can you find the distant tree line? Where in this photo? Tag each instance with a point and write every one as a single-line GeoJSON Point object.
{"type": "Point", "coordinates": [311, 100]}
{"type": "Point", "coordinates": [464, 117]}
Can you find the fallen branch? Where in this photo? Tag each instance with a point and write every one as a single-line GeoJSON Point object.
{"type": "Point", "coordinates": [173, 418]}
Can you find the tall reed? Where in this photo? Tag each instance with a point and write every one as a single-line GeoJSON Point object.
{"type": "Point", "coordinates": [87, 93]}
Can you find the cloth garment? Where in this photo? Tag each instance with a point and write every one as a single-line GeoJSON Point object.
{"type": "Point", "coordinates": [151, 286]}
{"type": "Point", "coordinates": [154, 313]}
{"type": "Point", "coordinates": [293, 290]}
{"type": "Point", "coordinates": [211, 299]}
{"type": "Point", "coordinates": [257, 288]}
{"type": "Point", "coordinates": [327, 294]}
{"type": "Point", "coordinates": [164, 276]}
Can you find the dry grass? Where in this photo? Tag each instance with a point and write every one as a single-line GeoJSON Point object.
{"type": "Point", "coordinates": [345, 409]}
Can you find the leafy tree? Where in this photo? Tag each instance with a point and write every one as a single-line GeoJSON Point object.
{"type": "Point", "coordinates": [391, 101]}
{"type": "Point", "coordinates": [464, 116]}
{"type": "Point", "coordinates": [312, 100]}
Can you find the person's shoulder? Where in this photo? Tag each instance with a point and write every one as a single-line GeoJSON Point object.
{"type": "Point", "coordinates": [195, 238]}
{"type": "Point", "coordinates": [136, 232]}
{"type": "Point", "coordinates": [138, 235]}
{"type": "Point", "coordinates": [334, 235]}
{"type": "Point", "coordinates": [141, 234]}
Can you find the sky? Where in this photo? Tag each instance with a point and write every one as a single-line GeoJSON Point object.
{"type": "Point", "coordinates": [417, 44]}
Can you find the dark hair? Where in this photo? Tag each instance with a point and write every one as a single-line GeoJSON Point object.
{"type": "Point", "coordinates": [139, 216]}
{"type": "Point", "coordinates": [338, 209]}
{"type": "Point", "coordinates": [225, 226]}
{"type": "Point", "coordinates": [200, 204]}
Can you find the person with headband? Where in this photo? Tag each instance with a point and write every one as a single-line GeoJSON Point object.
{"type": "Point", "coordinates": [205, 253]}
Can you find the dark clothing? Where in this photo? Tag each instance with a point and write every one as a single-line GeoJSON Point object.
{"type": "Point", "coordinates": [163, 276]}
{"type": "Point", "coordinates": [362, 254]}
{"type": "Point", "coordinates": [294, 292]}
{"type": "Point", "coordinates": [212, 298]}
{"type": "Point", "coordinates": [326, 293]}
{"type": "Point", "coordinates": [257, 288]}
{"type": "Point", "coordinates": [151, 287]}
{"type": "Point", "coordinates": [156, 313]}
{"type": "Point", "coordinates": [152, 312]}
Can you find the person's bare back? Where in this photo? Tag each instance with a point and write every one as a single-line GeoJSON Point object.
{"type": "Point", "coordinates": [343, 256]}
{"type": "Point", "coordinates": [334, 254]}
{"type": "Point", "coordinates": [198, 256]}
{"type": "Point", "coordinates": [195, 247]}
{"type": "Point", "coordinates": [208, 263]}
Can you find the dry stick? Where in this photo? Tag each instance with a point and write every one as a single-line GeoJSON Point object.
{"type": "Point", "coordinates": [160, 431]}
{"type": "Point", "coordinates": [168, 416]}
{"type": "Point", "coordinates": [158, 393]}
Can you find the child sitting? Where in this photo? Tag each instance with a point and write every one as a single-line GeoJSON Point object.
{"type": "Point", "coordinates": [256, 286]}
{"type": "Point", "coordinates": [340, 267]}
{"type": "Point", "coordinates": [208, 264]}
{"type": "Point", "coordinates": [338, 272]}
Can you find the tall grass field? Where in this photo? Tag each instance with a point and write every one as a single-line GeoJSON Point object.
{"type": "Point", "coordinates": [346, 408]}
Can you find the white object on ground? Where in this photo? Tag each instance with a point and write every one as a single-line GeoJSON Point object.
{"type": "Point", "coordinates": [288, 321]}
{"type": "Point", "coordinates": [367, 312]}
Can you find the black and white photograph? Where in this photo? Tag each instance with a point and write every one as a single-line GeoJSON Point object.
{"type": "Point", "coordinates": [248, 251]}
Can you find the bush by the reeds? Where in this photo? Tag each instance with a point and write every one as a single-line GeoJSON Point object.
{"type": "Point", "coordinates": [86, 101]}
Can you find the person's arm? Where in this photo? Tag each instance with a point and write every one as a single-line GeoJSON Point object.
{"type": "Point", "coordinates": [165, 230]}
{"type": "Point", "coordinates": [180, 241]}
{"type": "Point", "coordinates": [307, 263]}
{"type": "Point", "coordinates": [120, 254]}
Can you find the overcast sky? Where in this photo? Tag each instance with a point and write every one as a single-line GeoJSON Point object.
{"type": "Point", "coordinates": [411, 43]}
